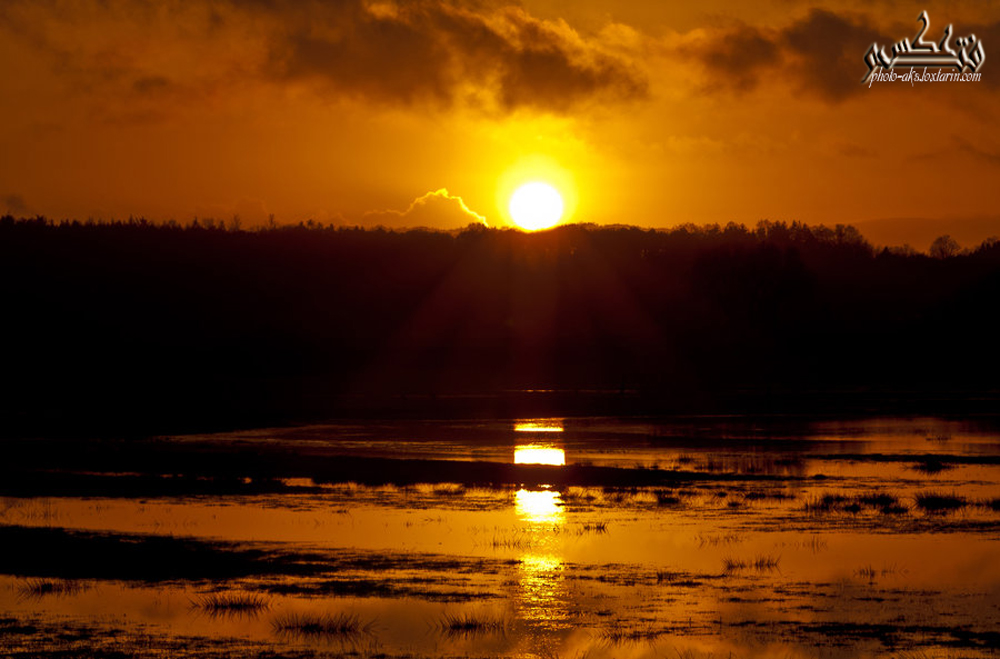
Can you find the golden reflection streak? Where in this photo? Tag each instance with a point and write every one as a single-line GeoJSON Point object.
{"type": "Point", "coordinates": [542, 597]}
{"type": "Point", "coordinates": [536, 454]}
{"type": "Point", "coordinates": [538, 425]}
{"type": "Point", "coordinates": [539, 506]}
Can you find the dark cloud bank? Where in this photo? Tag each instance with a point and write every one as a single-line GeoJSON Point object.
{"type": "Point", "coordinates": [441, 52]}
{"type": "Point", "coordinates": [822, 54]}
{"type": "Point", "coordinates": [498, 58]}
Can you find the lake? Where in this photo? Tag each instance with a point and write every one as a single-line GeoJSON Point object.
{"type": "Point", "coordinates": [547, 537]}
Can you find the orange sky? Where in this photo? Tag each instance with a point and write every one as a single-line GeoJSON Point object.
{"type": "Point", "coordinates": [646, 113]}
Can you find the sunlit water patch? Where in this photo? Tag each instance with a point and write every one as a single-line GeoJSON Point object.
{"type": "Point", "coordinates": [539, 454]}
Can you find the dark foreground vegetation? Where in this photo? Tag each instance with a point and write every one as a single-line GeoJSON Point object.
{"type": "Point", "coordinates": [140, 327]}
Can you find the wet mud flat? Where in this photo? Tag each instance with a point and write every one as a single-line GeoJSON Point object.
{"type": "Point", "coordinates": [541, 537]}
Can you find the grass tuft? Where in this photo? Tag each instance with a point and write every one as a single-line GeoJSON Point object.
{"type": "Point", "coordinates": [667, 576]}
{"type": "Point", "coordinates": [867, 572]}
{"type": "Point", "coordinates": [932, 465]}
{"type": "Point", "coordinates": [766, 563]}
{"type": "Point", "coordinates": [619, 635]}
{"type": "Point", "coordinates": [870, 574]}
{"type": "Point", "coordinates": [36, 588]}
{"type": "Point", "coordinates": [760, 563]}
{"type": "Point", "coordinates": [730, 564]}
{"type": "Point", "coordinates": [877, 499]}
{"type": "Point", "coordinates": [992, 504]}
{"type": "Point", "coordinates": [667, 499]}
{"type": "Point", "coordinates": [513, 541]}
{"type": "Point", "coordinates": [341, 625]}
{"type": "Point", "coordinates": [768, 495]}
{"type": "Point", "coordinates": [885, 503]}
{"type": "Point", "coordinates": [233, 604]}
{"type": "Point", "coordinates": [470, 624]}
{"type": "Point", "coordinates": [937, 502]}
{"type": "Point", "coordinates": [448, 489]}
{"type": "Point", "coordinates": [825, 503]}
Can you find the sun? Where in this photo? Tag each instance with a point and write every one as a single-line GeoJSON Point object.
{"type": "Point", "coordinates": [535, 206]}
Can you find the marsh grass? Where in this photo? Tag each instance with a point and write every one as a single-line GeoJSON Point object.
{"type": "Point", "coordinates": [719, 540]}
{"type": "Point", "coordinates": [932, 465]}
{"type": "Point", "coordinates": [38, 588]}
{"type": "Point", "coordinates": [730, 564]}
{"type": "Point", "coordinates": [882, 502]}
{"type": "Point", "coordinates": [755, 464]}
{"type": "Point", "coordinates": [308, 625]}
{"type": "Point", "coordinates": [766, 563]}
{"type": "Point", "coordinates": [577, 494]}
{"type": "Point", "coordinates": [826, 503]}
{"type": "Point", "coordinates": [761, 563]}
{"type": "Point", "coordinates": [618, 634]}
{"type": "Point", "coordinates": [448, 489]}
{"type": "Point", "coordinates": [991, 504]}
{"type": "Point", "coordinates": [512, 541]}
{"type": "Point", "coordinates": [939, 502]}
{"type": "Point", "coordinates": [669, 576]}
{"type": "Point", "coordinates": [31, 510]}
{"type": "Point", "coordinates": [232, 604]}
{"type": "Point", "coordinates": [870, 574]}
{"type": "Point", "coordinates": [667, 499]}
{"type": "Point", "coordinates": [768, 495]}
{"type": "Point", "coordinates": [470, 624]}
{"type": "Point", "coordinates": [867, 572]}
{"type": "Point", "coordinates": [877, 499]}
{"type": "Point", "coordinates": [815, 544]}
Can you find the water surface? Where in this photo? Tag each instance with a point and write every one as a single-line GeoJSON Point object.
{"type": "Point", "coordinates": [707, 537]}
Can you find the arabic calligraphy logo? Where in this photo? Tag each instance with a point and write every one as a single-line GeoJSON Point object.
{"type": "Point", "coordinates": [909, 54]}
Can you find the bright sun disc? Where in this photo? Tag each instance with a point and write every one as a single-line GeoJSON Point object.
{"type": "Point", "coordinates": [535, 206]}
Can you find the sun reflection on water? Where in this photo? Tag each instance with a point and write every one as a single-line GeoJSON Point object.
{"type": "Point", "coordinates": [539, 454]}
{"type": "Point", "coordinates": [538, 425]}
{"type": "Point", "coordinates": [543, 598]}
{"type": "Point", "coordinates": [539, 506]}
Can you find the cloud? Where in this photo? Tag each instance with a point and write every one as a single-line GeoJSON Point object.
{"type": "Point", "coordinates": [738, 57]}
{"type": "Point", "coordinates": [436, 53]}
{"type": "Point", "coordinates": [821, 54]}
{"type": "Point", "coordinates": [828, 51]}
{"type": "Point", "coordinates": [439, 52]}
{"type": "Point", "coordinates": [437, 209]}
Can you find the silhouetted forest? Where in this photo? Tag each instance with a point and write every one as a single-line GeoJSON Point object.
{"type": "Point", "coordinates": [166, 326]}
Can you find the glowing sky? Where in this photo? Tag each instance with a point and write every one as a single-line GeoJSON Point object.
{"type": "Point", "coordinates": [346, 111]}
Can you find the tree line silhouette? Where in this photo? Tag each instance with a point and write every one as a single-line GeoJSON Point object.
{"type": "Point", "coordinates": [162, 325]}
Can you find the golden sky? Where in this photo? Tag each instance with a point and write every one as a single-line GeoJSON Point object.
{"type": "Point", "coordinates": [348, 111]}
